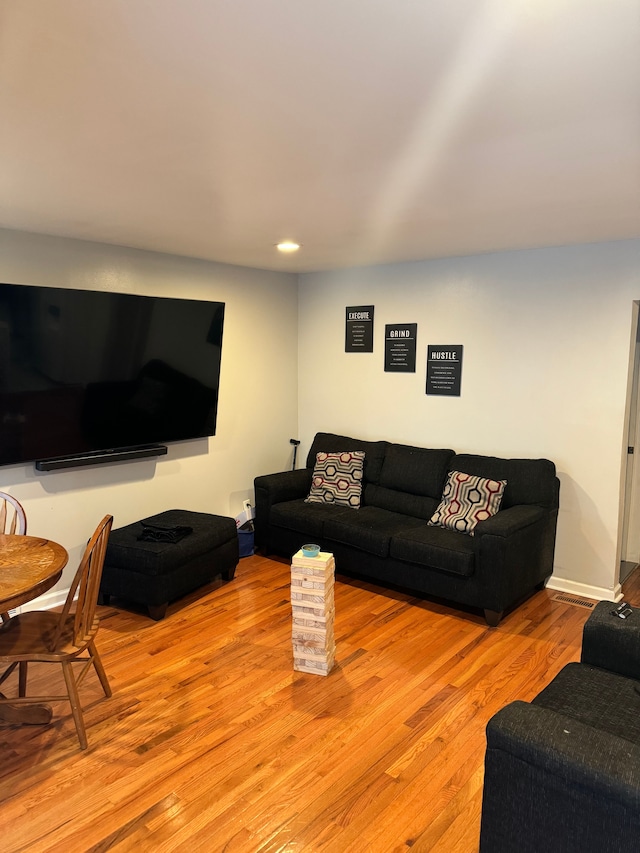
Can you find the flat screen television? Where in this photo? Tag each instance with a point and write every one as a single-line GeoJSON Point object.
{"type": "Point", "coordinates": [84, 373]}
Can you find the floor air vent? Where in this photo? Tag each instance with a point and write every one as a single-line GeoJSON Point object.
{"type": "Point", "coordinates": [572, 599]}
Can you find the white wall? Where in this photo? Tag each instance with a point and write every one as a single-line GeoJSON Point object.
{"type": "Point", "coordinates": [546, 335]}
{"type": "Point", "coordinates": [257, 412]}
{"type": "Point", "coordinates": [546, 338]}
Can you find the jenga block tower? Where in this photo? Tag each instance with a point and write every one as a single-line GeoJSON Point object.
{"type": "Point", "coordinates": [313, 611]}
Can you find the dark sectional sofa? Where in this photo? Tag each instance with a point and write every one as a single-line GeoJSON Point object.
{"type": "Point", "coordinates": [387, 539]}
{"type": "Point", "coordinates": [562, 772]}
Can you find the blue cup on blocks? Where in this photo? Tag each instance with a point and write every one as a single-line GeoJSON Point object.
{"type": "Point", "coordinates": [310, 550]}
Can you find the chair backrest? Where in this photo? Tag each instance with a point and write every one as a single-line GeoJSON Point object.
{"type": "Point", "coordinates": [13, 518]}
{"type": "Point", "coordinates": [87, 585]}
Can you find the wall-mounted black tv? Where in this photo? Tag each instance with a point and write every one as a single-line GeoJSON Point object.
{"type": "Point", "coordinates": [84, 372]}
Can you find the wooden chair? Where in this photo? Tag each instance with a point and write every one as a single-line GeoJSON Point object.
{"type": "Point", "coordinates": [63, 638]}
{"type": "Point", "coordinates": [13, 519]}
{"type": "Point", "coordinates": [12, 516]}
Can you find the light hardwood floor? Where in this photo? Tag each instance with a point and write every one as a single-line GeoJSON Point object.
{"type": "Point", "coordinates": [212, 743]}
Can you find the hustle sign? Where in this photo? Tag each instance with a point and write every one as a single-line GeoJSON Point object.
{"type": "Point", "coordinates": [444, 369]}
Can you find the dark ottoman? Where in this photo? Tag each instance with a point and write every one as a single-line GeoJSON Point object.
{"type": "Point", "coordinates": [155, 573]}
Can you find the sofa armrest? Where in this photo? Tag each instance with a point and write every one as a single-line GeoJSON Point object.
{"type": "Point", "coordinates": [506, 522]}
{"type": "Point", "coordinates": [612, 643]}
{"type": "Point", "coordinates": [272, 489]}
{"type": "Point", "coordinates": [552, 783]}
{"type": "Point", "coordinates": [285, 485]}
{"type": "Point", "coordinates": [514, 554]}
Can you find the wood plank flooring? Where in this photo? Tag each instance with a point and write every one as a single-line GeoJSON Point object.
{"type": "Point", "coordinates": [212, 743]}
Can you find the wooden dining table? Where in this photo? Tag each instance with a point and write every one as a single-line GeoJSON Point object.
{"type": "Point", "coordinates": [29, 566]}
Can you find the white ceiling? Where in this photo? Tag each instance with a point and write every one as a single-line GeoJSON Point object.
{"type": "Point", "coordinates": [370, 131]}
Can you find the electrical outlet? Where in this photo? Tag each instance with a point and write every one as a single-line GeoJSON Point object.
{"type": "Point", "coordinates": [246, 505]}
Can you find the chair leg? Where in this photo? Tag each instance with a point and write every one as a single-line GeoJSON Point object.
{"type": "Point", "coordinates": [8, 672]}
{"type": "Point", "coordinates": [22, 679]}
{"type": "Point", "coordinates": [74, 700]}
{"type": "Point", "coordinates": [97, 662]}
{"type": "Point", "coordinates": [5, 617]}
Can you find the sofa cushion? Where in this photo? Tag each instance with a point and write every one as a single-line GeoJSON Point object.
{"type": "Point", "coordinates": [329, 442]}
{"type": "Point", "coordinates": [417, 506]}
{"type": "Point", "coordinates": [596, 697]}
{"type": "Point", "coordinates": [416, 470]}
{"type": "Point", "coordinates": [306, 518]}
{"type": "Point", "coordinates": [337, 479]}
{"type": "Point", "coordinates": [436, 548]}
{"type": "Point", "coordinates": [467, 500]}
{"type": "Point", "coordinates": [529, 481]}
{"type": "Point", "coordinates": [370, 529]}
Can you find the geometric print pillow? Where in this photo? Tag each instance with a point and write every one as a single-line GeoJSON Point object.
{"type": "Point", "coordinates": [466, 500]}
{"type": "Point", "coordinates": [337, 479]}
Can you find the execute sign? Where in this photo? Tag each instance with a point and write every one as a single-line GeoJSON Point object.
{"type": "Point", "coordinates": [359, 329]}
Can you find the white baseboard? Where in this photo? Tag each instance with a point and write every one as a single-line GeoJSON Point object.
{"type": "Point", "coordinates": [585, 590]}
{"type": "Point", "coordinates": [55, 598]}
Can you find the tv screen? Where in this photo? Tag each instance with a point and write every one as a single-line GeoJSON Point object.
{"type": "Point", "coordinates": [84, 371]}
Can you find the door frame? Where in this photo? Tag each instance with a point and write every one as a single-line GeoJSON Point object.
{"type": "Point", "coordinates": [629, 542]}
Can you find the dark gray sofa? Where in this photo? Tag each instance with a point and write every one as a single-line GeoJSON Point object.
{"type": "Point", "coordinates": [562, 773]}
{"type": "Point", "coordinates": [388, 540]}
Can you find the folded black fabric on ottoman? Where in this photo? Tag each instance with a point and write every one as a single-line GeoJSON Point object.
{"type": "Point", "coordinates": [156, 571]}
{"type": "Point", "coordinates": [161, 533]}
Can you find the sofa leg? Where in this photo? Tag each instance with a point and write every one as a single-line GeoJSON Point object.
{"type": "Point", "coordinates": [228, 574]}
{"type": "Point", "coordinates": [493, 617]}
{"type": "Point", "coordinates": [157, 611]}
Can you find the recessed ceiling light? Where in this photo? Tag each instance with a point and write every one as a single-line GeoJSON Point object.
{"type": "Point", "coordinates": [287, 246]}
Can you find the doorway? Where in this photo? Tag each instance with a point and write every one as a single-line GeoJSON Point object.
{"type": "Point", "coordinates": [630, 540]}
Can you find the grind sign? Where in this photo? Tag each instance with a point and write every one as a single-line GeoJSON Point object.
{"type": "Point", "coordinates": [400, 347]}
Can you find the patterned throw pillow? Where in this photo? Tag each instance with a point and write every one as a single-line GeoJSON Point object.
{"type": "Point", "coordinates": [466, 500]}
{"type": "Point", "coordinates": [337, 479]}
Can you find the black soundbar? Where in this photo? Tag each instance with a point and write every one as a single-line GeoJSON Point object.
{"type": "Point", "coordinates": [99, 457]}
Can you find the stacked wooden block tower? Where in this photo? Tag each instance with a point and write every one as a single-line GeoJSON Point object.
{"type": "Point", "coordinates": [313, 612]}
